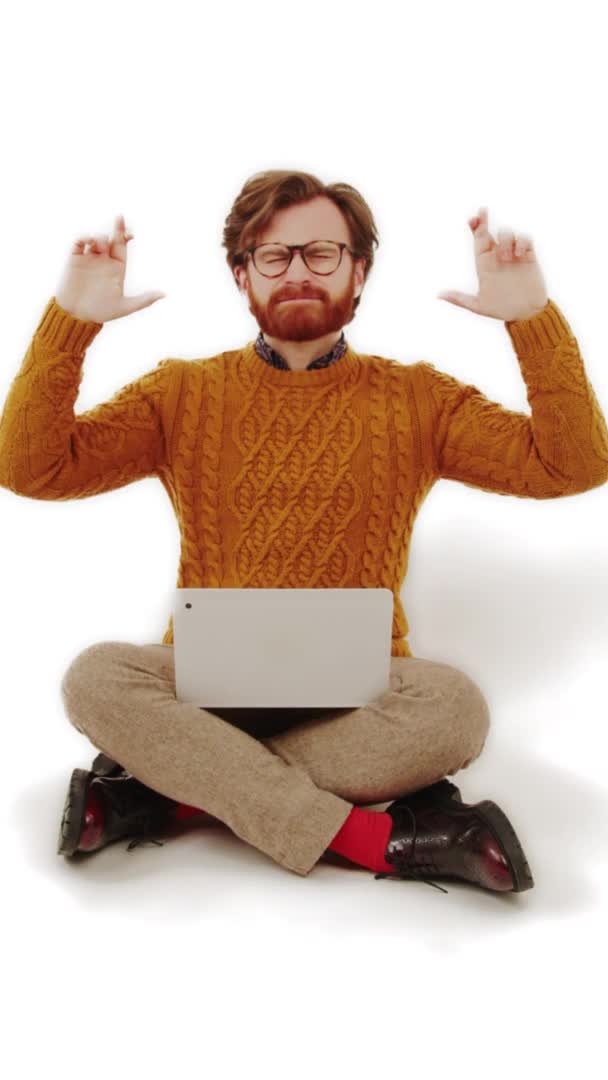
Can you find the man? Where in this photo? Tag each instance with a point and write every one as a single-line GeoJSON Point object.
{"type": "Point", "coordinates": [296, 461]}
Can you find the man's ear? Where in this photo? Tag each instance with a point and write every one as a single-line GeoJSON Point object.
{"type": "Point", "coordinates": [362, 281]}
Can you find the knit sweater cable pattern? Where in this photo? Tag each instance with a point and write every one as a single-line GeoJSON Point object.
{"type": "Point", "coordinates": [300, 479]}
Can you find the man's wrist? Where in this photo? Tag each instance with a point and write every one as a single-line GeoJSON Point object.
{"type": "Point", "coordinates": [529, 314]}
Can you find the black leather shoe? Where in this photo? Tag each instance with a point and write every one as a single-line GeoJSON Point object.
{"type": "Point", "coordinates": [101, 809]}
{"type": "Point", "coordinates": [443, 789]}
{"type": "Point", "coordinates": [434, 831]}
{"type": "Point", "coordinates": [106, 766]}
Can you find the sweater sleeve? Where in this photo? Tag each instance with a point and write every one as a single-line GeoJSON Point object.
{"type": "Point", "coordinates": [560, 449]}
{"type": "Point", "coordinates": [48, 452]}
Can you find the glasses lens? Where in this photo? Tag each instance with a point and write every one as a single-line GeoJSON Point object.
{"type": "Point", "coordinates": [271, 259]}
{"type": "Point", "coordinates": [322, 257]}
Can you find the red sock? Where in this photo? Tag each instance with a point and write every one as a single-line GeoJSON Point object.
{"type": "Point", "coordinates": [363, 839]}
{"type": "Point", "coordinates": [182, 811]}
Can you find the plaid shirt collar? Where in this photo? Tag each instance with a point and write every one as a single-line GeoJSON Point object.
{"type": "Point", "coordinates": [269, 354]}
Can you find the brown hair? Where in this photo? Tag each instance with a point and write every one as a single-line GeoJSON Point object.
{"type": "Point", "coordinates": [266, 192]}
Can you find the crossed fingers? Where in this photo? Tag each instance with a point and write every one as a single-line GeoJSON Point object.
{"type": "Point", "coordinates": [508, 245]}
{"type": "Point", "coordinates": [100, 243]}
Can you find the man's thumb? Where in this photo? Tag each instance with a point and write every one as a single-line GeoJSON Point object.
{"type": "Point", "coordinates": [460, 299]}
{"type": "Point", "coordinates": [136, 303]}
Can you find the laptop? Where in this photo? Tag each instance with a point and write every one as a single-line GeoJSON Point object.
{"type": "Point", "coordinates": [289, 648]}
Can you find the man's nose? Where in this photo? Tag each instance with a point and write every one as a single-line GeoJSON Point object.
{"type": "Point", "coordinates": [297, 260]}
{"type": "Point", "coordinates": [298, 267]}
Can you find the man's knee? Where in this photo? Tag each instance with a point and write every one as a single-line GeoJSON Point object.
{"type": "Point", "coordinates": [472, 709]}
{"type": "Point", "coordinates": [88, 670]}
{"type": "Point", "coordinates": [475, 717]}
{"type": "Point", "coordinates": [87, 666]}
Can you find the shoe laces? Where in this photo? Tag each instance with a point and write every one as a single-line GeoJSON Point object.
{"type": "Point", "coordinates": [412, 872]}
{"type": "Point", "coordinates": [141, 819]}
{"type": "Point", "coordinates": [144, 837]}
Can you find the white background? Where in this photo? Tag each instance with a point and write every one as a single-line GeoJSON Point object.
{"type": "Point", "coordinates": [204, 957]}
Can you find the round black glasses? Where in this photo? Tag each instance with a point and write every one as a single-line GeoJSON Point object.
{"type": "Point", "coordinates": [320, 256]}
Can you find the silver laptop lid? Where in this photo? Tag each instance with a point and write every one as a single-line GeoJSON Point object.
{"type": "Point", "coordinates": [308, 648]}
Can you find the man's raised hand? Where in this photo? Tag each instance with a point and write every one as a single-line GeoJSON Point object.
{"type": "Point", "coordinates": [91, 287]}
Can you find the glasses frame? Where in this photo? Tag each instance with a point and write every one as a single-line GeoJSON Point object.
{"type": "Point", "coordinates": [300, 247]}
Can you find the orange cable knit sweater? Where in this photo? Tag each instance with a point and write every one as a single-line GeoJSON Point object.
{"type": "Point", "coordinates": [300, 479]}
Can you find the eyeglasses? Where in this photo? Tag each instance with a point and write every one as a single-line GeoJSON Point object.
{"type": "Point", "coordinates": [320, 256]}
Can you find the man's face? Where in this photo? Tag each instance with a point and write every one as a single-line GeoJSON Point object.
{"type": "Point", "coordinates": [330, 303]}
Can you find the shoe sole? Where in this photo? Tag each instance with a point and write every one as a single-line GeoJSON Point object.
{"type": "Point", "coordinates": [74, 808]}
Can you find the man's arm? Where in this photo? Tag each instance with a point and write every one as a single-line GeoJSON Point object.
{"type": "Point", "coordinates": [561, 449]}
{"type": "Point", "coordinates": [46, 451]}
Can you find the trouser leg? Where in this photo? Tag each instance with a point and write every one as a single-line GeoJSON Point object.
{"type": "Point", "coordinates": [432, 722]}
{"type": "Point", "coordinates": [122, 696]}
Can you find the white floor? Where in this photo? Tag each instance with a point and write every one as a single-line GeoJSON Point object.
{"type": "Point", "coordinates": [203, 957]}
